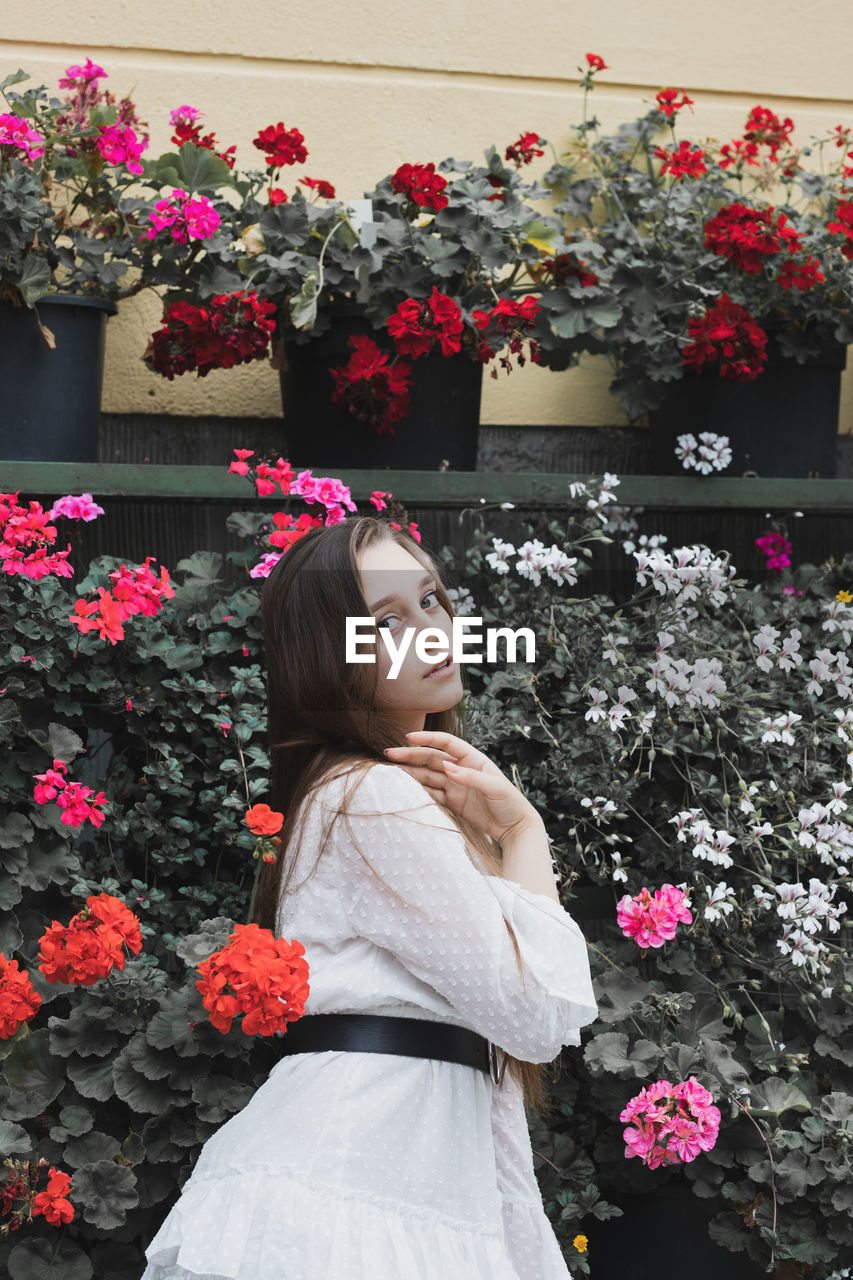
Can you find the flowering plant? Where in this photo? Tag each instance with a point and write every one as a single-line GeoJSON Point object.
{"type": "Point", "coordinates": [668, 1123]}
{"type": "Point", "coordinates": [708, 867]}
{"type": "Point", "coordinates": [445, 258]}
{"type": "Point", "coordinates": [686, 253]}
{"type": "Point", "coordinates": [82, 210]}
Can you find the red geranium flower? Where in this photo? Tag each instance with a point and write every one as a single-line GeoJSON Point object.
{"type": "Point", "coordinates": [666, 100]}
{"type": "Point", "coordinates": [277, 196]}
{"type": "Point", "coordinates": [685, 162]}
{"type": "Point", "coordinates": [232, 329]}
{"type": "Point", "coordinates": [843, 226]}
{"type": "Point", "coordinates": [726, 335]}
{"type": "Point", "coordinates": [763, 125]}
{"type": "Point", "coordinates": [747, 236]}
{"type": "Point", "coordinates": [417, 325]}
{"type": "Point", "coordinates": [421, 184]}
{"type": "Point", "coordinates": [524, 149]}
{"type": "Point", "coordinates": [90, 945]}
{"type": "Point", "coordinates": [510, 320]}
{"type": "Point", "coordinates": [258, 975]}
{"type": "Point", "coordinates": [373, 389]}
{"type": "Point", "coordinates": [263, 821]}
{"type": "Point", "coordinates": [737, 151]}
{"type": "Point", "coordinates": [19, 1001]}
{"type": "Point", "coordinates": [800, 275]}
{"type": "Point", "coordinates": [567, 267]}
{"type": "Point", "coordinates": [319, 185]}
{"type": "Point", "coordinates": [596, 62]}
{"type": "Point", "coordinates": [282, 146]}
{"type": "Point", "coordinates": [53, 1202]}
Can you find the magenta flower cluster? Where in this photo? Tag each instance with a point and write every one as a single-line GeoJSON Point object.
{"type": "Point", "coordinates": [16, 135]}
{"type": "Point", "coordinates": [668, 1123]}
{"type": "Point", "coordinates": [652, 921]}
{"type": "Point", "coordinates": [118, 144]}
{"type": "Point", "coordinates": [185, 217]}
{"type": "Point", "coordinates": [78, 803]}
{"type": "Point", "coordinates": [75, 508]}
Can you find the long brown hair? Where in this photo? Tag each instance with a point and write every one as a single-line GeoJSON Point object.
{"type": "Point", "coordinates": [322, 711]}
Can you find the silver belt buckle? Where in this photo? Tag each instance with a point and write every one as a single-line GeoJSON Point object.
{"type": "Point", "coordinates": [493, 1062]}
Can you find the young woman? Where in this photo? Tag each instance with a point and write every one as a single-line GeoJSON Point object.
{"type": "Point", "coordinates": [390, 1140]}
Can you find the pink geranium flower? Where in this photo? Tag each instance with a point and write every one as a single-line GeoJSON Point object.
{"type": "Point", "coordinates": [118, 144]}
{"type": "Point", "coordinates": [653, 921]}
{"type": "Point", "coordinates": [16, 135]}
{"type": "Point", "coordinates": [186, 218]}
{"type": "Point", "coordinates": [670, 1122]}
{"type": "Point", "coordinates": [82, 508]}
{"type": "Point", "coordinates": [87, 72]}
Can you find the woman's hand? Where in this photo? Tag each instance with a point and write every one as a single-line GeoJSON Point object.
{"type": "Point", "coordinates": [475, 790]}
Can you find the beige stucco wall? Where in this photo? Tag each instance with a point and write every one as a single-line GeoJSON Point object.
{"type": "Point", "coordinates": [374, 84]}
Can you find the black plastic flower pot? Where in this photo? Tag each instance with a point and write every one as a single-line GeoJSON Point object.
{"type": "Point", "coordinates": [52, 397]}
{"type": "Point", "coordinates": [784, 423]}
{"type": "Point", "coordinates": [443, 421]}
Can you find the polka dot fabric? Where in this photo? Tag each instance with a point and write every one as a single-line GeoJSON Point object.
{"type": "Point", "coordinates": [372, 1166]}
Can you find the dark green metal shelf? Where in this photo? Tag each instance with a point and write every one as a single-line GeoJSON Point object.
{"type": "Point", "coordinates": [432, 488]}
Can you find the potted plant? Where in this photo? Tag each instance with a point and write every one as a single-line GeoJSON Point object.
{"type": "Point", "coordinates": [80, 228]}
{"type": "Point", "coordinates": [388, 308]}
{"type": "Point", "coordinates": [717, 278]}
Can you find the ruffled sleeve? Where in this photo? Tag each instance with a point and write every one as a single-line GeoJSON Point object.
{"type": "Point", "coordinates": [414, 890]}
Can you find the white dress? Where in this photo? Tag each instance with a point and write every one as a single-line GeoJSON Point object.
{"type": "Point", "coordinates": [374, 1166]}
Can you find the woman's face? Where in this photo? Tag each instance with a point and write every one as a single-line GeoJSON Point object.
{"type": "Point", "coordinates": [388, 570]}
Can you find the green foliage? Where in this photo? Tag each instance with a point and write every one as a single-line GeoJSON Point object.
{"type": "Point", "coordinates": [120, 1083]}
{"type": "Point", "coordinates": [641, 232]}
{"type": "Point", "coordinates": [104, 1081]}
{"type": "Point", "coordinates": [723, 1001]}
{"type": "Point", "coordinates": [68, 222]}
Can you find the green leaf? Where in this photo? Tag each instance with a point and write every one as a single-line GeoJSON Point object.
{"type": "Point", "coordinates": [35, 278]}
{"type": "Point", "coordinates": [214, 934]}
{"type": "Point", "coordinates": [105, 1191]}
{"type": "Point", "coordinates": [63, 743]}
{"type": "Point", "coordinates": [728, 1230]}
{"type": "Point", "coordinates": [32, 1068]}
{"type": "Point", "coordinates": [52, 1259]}
{"type": "Point", "coordinates": [720, 1059]}
{"type": "Point", "coordinates": [204, 565]}
{"type": "Point", "coordinates": [303, 305]}
{"type": "Point", "coordinates": [170, 1029]}
{"type": "Point", "coordinates": [608, 1052]}
{"type": "Point", "coordinates": [14, 77]}
{"type": "Point", "coordinates": [775, 1096]}
{"type": "Point", "coordinates": [15, 830]}
{"type": "Point", "coordinates": [73, 1121]}
{"type": "Point", "coordinates": [200, 170]}
{"type": "Point", "coordinates": [153, 1097]}
{"type": "Point", "coordinates": [219, 1097]}
{"type": "Point", "coordinates": [13, 1137]}
{"type": "Point", "coordinates": [92, 1079]}
{"type": "Point", "coordinates": [837, 1108]}
{"type": "Point", "coordinates": [87, 1031]}
{"type": "Point", "coordinates": [796, 1173]}
{"type": "Point", "coordinates": [91, 1147]}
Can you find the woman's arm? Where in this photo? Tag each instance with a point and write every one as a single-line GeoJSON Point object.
{"type": "Point", "coordinates": [527, 858]}
{"type": "Point", "coordinates": [439, 916]}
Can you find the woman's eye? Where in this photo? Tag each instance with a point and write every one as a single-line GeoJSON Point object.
{"type": "Point", "coordinates": [394, 615]}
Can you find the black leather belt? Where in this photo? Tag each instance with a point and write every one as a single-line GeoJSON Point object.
{"type": "Point", "coordinates": [376, 1033]}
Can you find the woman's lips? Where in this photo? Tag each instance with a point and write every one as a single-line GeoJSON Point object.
{"type": "Point", "coordinates": [441, 672]}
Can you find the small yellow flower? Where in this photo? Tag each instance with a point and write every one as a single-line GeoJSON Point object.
{"type": "Point", "coordinates": [580, 1243]}
{"type": "Point", "coordinates": [844, 596]}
